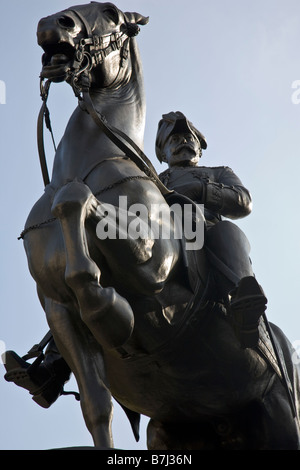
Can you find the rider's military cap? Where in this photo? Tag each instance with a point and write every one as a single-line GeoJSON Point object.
{"type": "Point", "coordinates": [174, 123]}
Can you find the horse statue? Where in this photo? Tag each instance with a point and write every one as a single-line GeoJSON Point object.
{"type": "Point", "coordinates": [135, 318]}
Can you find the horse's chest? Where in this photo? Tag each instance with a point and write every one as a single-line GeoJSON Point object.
{"type": "Point", "coordinates": [112, 173]}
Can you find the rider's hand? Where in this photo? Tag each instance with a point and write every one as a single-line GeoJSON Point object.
{"type": "Point", "coordinates": [195, 190]}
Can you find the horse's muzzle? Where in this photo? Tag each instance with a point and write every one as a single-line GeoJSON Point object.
{"type": "Point", "coordinates": [59, 49]}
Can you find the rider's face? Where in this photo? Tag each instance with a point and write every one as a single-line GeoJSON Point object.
{"type": "Point", "coordinates": [182, 149]}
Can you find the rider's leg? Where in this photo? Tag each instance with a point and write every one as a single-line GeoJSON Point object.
{"type": "Point", "coordinates": [228, 251]}
{"type": "Point", "coordinates": [247, 304]}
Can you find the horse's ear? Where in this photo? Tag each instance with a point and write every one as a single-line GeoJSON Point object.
{"type": "Point", "coordinates": [136, 18]}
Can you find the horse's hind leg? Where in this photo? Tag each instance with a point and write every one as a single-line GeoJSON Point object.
{"type": "Point", "coordinates": [108, 315]}
{"type": "Point", "coordinates": [83, 355]}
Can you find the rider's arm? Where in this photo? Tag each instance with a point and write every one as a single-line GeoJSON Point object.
{"type": "Point", "coordinates": [226, 195]}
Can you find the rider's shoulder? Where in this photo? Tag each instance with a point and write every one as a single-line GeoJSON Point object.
{"type": "Point", "coordinates": [221, 169]}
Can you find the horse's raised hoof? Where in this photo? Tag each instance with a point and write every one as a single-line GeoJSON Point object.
{"type": "Point", "coordinates": [44, 383]}
{"type": "Point", "coordinates": [247, 305]}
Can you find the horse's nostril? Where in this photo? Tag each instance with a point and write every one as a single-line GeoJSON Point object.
{"type": "Point", "coordinates": [66, 22]}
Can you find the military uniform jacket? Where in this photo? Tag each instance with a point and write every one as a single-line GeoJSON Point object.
{"type": "Point", "coordinates": [218, 188]}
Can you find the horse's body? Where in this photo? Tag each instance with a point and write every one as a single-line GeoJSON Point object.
{"type": "Point", "coordinates": [121, 312]}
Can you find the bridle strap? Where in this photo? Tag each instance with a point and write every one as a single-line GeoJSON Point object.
{"type": "Point", "coordinates": [97, 50]}
{"type": "Point", "coordinates": [43, 114]}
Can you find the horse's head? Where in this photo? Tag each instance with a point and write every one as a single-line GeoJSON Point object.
{"type": "Point", "coordinates": [92, 37]}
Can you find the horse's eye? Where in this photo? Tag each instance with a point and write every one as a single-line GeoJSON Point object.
{"type": "Point", "coordinates": [66, 22]}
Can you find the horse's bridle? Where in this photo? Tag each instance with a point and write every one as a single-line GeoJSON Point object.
{"type": "Point", "coordinates": [90, 52]}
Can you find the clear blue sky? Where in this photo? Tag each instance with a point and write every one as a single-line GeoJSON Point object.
{"type": "Point", "coordinates": [229, 65]}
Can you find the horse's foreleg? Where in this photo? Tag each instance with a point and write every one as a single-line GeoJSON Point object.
{"type": "Point", "coordinates": [84, 357]}
{"type": "Point", "coordinates": [108, 315]}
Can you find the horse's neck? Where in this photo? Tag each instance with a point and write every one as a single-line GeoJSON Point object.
{"type": "Point", "coordinates": [123, 108]}
{"type": "Point", "coordinates": [83, 144]}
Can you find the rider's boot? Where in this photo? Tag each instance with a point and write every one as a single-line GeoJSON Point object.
{"type": "Point", "coordinates": [247, 304]}
{"type": "Point", "coordinates": [44, 378]}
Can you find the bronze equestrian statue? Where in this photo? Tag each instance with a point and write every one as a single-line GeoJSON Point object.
{"type": "Point", "coordinates": [179, 335]}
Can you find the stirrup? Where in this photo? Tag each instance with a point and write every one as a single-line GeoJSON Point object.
{"type": "Point", "coordinates": [39, 381]}
{"type": "Point", "coordinates": [247, 305]}
{"type": "Point", "coordinates": [43, 382]}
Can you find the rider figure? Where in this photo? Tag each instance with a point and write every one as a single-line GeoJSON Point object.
{"type": "Point", "coordinates": [180, 144]}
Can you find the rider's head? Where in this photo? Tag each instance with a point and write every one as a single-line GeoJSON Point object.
{"type": "Point", "coordinates": [178, 142]}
